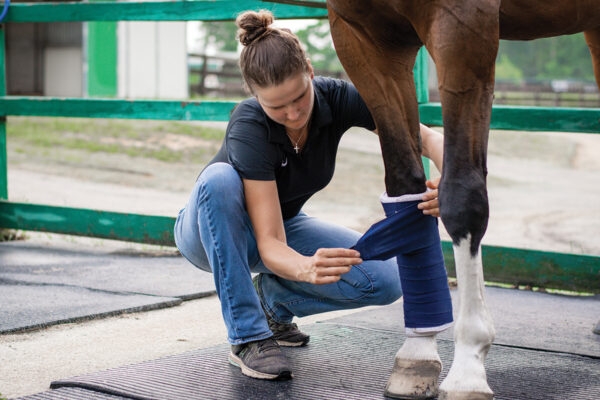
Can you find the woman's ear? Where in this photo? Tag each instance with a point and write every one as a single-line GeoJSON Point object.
{"type": "Point", "coordinates": [310, 68]}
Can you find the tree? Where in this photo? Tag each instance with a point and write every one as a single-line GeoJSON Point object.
{"type": "Point", "coordinates": [221, 35]}
{"type": "Point", "coordinates": [319, 46]}
{"type": "Point", "coordinates": [562, 57]}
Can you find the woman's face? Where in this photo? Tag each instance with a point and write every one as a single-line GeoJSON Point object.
{"type": "Point", "coordinates": [290, 103]}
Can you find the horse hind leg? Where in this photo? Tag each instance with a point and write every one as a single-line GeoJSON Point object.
{"type": "Point", "coordinates": [592, 37]}
{"type": "Point", "coordinates": [385, 82]}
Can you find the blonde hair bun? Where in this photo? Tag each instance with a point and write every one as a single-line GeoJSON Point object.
{"type": "Point", "coordinates": [253, 25]}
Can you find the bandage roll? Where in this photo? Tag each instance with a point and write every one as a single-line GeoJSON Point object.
{"type": "Point", "coordinates": [414, 239]}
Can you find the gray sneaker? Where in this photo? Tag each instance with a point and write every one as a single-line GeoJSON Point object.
{"type": "Point", "coordinates": [286, 334]}
{"type": "Point", "coordinates": [262, 359]}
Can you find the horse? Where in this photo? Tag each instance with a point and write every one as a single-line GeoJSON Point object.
{"type": "Point", "coordinates": [377, 42]}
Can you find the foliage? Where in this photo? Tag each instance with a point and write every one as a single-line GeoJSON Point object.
{"type": "Point", "coordinates": [319, 46]}
{"type": "Point", "coordinates": [506, 70]}
{"type": "Point", "coordinates": [220, 35]}
{"type": "Point", "coordinates": [315, 37]}
{"type": "Point", "coordinates": [7, 235]}
{"type": "Point", "coordinates": [563, 57]}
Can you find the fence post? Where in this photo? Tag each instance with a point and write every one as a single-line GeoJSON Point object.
{"type": "Point", "coordinates": [101, 59]}
{"type": "Point", "coordinates": [421, 76]}
{"type": "Point", "coordinates": [202, 86]}
{"type": "Point", "coordinates": [3, 156]}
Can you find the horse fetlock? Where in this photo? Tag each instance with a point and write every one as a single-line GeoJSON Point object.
{"type": "Point", "coordinates": [476, 333]}
{"type": "Point", "coordinates": [417, 367]}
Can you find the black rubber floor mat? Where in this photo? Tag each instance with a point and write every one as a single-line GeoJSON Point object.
{"type": "Point", "coordinates": [339, 363]}
{"type": "Point", "coordinates": [168, 274]}
{"type": "Point", "coordinates": [32, 306]}
{"type": "Point", "coordinates": [74, 394]}
{"type": "Point", "coordinates": [521, 318]}
{"type": "Point", "coordinates": [43, 285]}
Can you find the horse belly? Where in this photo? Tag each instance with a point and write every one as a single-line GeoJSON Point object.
{"type": "Point", "coordinates": [534, 19]}
{"type": "Point", "coordinates": [387, 20]}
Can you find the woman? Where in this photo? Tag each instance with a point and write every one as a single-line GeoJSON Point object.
{"type": "Point", "coordinates": [245, 211]}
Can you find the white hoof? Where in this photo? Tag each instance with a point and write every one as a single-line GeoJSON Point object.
{"type": "Point", "coordinates": [417, 368]}
{"type": "Point", "coordinates": [465, 395]}
{"type": "Point", "coordinates": [465, 383]}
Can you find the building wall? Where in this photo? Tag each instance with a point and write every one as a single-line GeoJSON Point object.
{"type": "Point", "coordinates": [44, 59]}
{"type": "Point", "coordinates": [63, 73]}
{"type": "Point", "coordinates": [152, 60]}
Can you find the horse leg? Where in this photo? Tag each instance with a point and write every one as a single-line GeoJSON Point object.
{"type": "Point", "coordinates": [384, 79]}
{"type": "Point", "coordinates": [592, 37]}
{"type": "Point", "coordinates": [463, 40]}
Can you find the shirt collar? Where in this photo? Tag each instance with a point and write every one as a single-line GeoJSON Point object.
{"type": "Point", "coordinates": [321, 116]}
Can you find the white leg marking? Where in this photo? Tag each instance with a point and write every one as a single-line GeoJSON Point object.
{"type": "Point", "coordinates": [473, 331]}
{"type": "Point", "coordinates": [417, 367]}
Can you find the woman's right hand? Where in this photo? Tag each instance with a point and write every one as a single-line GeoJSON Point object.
{"type": "Point", "coordinates": [327, 265]}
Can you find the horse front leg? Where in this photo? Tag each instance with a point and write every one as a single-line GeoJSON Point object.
{"type": "Point", "coordinates": [382, 72]}
{"type": "Point", "coordinates": [463, 41]}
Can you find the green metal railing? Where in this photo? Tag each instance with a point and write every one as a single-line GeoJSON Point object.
{"type": "Point", "coordinates": [564, 271]}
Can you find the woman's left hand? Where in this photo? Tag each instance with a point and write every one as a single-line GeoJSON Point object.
{"type": "Point", "coordinates": [430, 204]}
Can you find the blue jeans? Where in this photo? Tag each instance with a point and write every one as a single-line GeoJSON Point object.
{"type": "Point", "coordinates": [215, 234]}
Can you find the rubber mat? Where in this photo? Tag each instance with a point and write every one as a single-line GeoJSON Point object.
{"type": "Point", "coordinates": [33, 306]}
{"type": "Point", "coordinates": [75, 394]}
{"type": "Point", "coordinates": [521, 318]}
{"type": "Point", "coordinates": [43, 285]}
{"type": "Point", "coordinates": [340, 363]}
{"type": "Point", "coordinates": [162, 274]}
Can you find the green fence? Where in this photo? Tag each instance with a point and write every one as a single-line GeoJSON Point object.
{"type": "Point", "coordinates": [564, 271]}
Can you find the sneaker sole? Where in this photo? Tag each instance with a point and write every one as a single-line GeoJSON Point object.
{"type": "Point", "coordinates": [291, 344]}
{"type": "Point", "coordinates": [235, 360]}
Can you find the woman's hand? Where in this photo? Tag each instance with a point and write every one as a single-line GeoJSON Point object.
{"type": "Point", "coordinates": [327, 265]}
{"type": "Point", "coordinates": [430, 204]}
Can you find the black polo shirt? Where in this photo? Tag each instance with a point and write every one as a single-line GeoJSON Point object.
{"type": "Point", "coordinates": [259, 148]}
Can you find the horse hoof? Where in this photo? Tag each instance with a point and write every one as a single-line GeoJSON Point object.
{"type": "Point", "coordinates": [465, 395]}
{"type": "Point", "coordinates": [414, 379]}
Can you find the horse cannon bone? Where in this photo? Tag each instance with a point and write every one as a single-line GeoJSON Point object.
{"type": "Point", "coordinates": [377, 42]}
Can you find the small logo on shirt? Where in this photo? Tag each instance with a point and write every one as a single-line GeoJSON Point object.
{"type": "Point", "coordinates": [284, 162]}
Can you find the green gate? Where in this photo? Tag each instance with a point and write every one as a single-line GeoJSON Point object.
{"type": "Point", "coordinates": [509, 265]}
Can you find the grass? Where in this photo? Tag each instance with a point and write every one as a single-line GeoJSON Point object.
{"type": "Point", "coordinates": [7, 235]}
{"type": "Point", "coordinates": [134, 138]}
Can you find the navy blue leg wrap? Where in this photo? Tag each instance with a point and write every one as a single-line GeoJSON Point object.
{"type": "Point", "coordinates": [414, 239]}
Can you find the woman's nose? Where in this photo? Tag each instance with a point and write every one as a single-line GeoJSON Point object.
{"type": "Point", "coordinates": [293, 113]}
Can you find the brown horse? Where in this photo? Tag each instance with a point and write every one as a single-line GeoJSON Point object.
{"type": "Point", "coordinates": [377, 42]}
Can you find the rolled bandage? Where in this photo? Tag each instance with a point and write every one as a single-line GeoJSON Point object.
{"type": "Point", "coordinates": [414, 239]}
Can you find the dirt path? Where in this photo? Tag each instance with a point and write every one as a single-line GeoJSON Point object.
{"type": "Point", "coordinates": [543, 187]}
